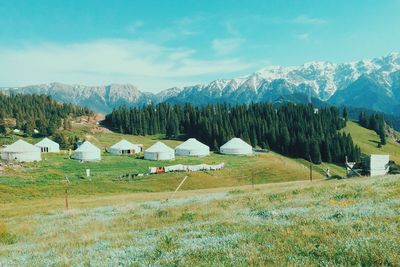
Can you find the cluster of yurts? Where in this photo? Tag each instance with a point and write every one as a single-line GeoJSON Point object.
{"type": "Point", "coordinates": [21, 151]}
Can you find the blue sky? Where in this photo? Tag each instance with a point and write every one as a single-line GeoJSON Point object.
{"type": "Point", "coordinates": [159, 44]}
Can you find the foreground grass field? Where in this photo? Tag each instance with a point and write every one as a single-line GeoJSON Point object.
{"type": "Point", "coordinates": [347, 222]}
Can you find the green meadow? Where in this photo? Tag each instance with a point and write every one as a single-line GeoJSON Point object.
{"type": "Point", "coordinates": [217, 218]}
{"type": "Point", "coordinates": [368, 141]}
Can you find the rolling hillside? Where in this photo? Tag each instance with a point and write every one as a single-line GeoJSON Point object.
{"type": "Point", "coordinates": [44, 179]}
{"type": "Point", "coordinates": [368, 141]}
{"type": "Point", "coordinates": [217, 218]}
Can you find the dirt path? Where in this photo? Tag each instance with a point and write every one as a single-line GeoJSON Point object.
{"type": "Point", "coordinates": [24, 208]}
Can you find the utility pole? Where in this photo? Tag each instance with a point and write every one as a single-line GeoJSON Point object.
{"type": "Point", "coordinates": [310, 168]}
{"type": "Point", "coordinates": [66, 198]}
{"type": "Point", "coordinates": [67, 182]}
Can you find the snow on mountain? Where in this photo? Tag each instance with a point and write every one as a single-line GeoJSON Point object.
{"type": "Point", "coordinates": [320, 79]}
{"type": "Point", "coordinates": [98, 98]}
{"type": "Point", "coordinates": [335, 83]}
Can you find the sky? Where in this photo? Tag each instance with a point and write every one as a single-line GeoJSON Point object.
{"type": "Point", "coordinates": [156, 45]}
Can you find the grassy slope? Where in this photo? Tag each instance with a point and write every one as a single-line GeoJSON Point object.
{"type": "Point", "coordinates": [347, 222]}
{"type": "Point", "coordinates": [368, 141]}
{"type": "Point", "coordinates": [44, 179]}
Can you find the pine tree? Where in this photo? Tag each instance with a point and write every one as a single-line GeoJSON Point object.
{"type": "Point", "coordinates": [315, 152]}
{"type": "Point", "coordinates": [3, 129]}
{"type": "Point", "coordinates": [290, 129]}
{"type": "Point", "coordinates": [61, 139]}
{"type": "Point", "coordinates": [345, 114]}
{"type": "Point", "coordinates": [382, 136]}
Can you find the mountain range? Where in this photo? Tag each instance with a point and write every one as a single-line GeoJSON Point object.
{"type": "Point", "coordinates": [372, 84]}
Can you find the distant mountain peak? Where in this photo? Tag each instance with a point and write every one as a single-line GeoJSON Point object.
{"type": "Point", "coordinates": [338, 83]}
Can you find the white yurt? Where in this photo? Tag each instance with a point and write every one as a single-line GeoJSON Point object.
{"type": "Point", "coordinates": [192, 147]}
{"type": "Point", "coordinates": [87, 152]}
{"type": "Point", "coordinates": [124, 147]}
{"type": "Point", "coordinates": [47, 145]}
{"type": "Point", "coordinates": [21, 151]}
{"type": "Point", "coordinates": [236, 146]}
{"type": "Point", "coordinates": [159, 151]}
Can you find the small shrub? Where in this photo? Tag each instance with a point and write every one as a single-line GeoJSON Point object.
{"type": "Point", "coordinates": [166, 243]}
{"type": "Point", "coordinates": [162, 213]}
{"type": "Point", "coordinates": [276, 197]}
{"type": "Point", "coordinates": [347, 195]}
{"type": "Point", "coordinates": [147, 206]}
{"type": "Point", "coordinates": [187, 216]}
{"type": "Point", "coordinates": [264, 214]}
{"type": "Point", "coordinates": [236, 192]}
{"type": "Point", "coordinates": [6, 237]}
{"type": "Point", "coordinates": [296, 192]}
{"type": "Point", "coordinates": [338, 215]}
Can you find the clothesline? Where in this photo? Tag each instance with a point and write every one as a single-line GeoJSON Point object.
{"type": "Point", "coordinates": [185, 168]}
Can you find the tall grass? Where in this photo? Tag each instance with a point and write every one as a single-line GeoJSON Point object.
{"type": "Point", "coordinates": [346, 223]}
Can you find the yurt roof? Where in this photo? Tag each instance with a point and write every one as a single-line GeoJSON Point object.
{"type": "Point", "coordinates": [87, 146]}
{"type": "Point", "coordinates": [124, 144]}
{"type": "Point", "coordinates": [159, 147]}
{"type": "Point", "coordinates": [46, 142]}
{"type": "Point", "coordinates": [192, 143]}
{"type": "Point", "coordinates": [20, 146]}
{"type": "Point", "coordinates": [236, 143]}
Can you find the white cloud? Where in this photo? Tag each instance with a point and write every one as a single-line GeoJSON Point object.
{"type": "Point", "coordinates": [146, 65]}
{"type": "Point", "coordinates": [134, 26]}
{"type": "Point", "coordinates": [226, 46]}
{"type": "Point", "coordinates": [299, 20]}
{"type": "Point", "coordinates": [303, 36]}
{"type": "Point", "coordinates": [231, 29]}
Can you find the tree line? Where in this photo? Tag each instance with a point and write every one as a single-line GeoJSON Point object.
{"type": "Point", "coordinates": [375, 122]}
{"type": "Point", "coordinates": [36, 112]}
{"type": "Point", "coordinates": [293, 130]}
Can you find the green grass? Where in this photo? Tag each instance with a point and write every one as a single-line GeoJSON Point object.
{"type": "Point", "coordinates": [45, 179]}
{"type": "Point", "coordinates": [217, 218]}
{"type": "Point", "coordinates": [352, 222]}
{"type": "Point", "coordinates": [368, 141]}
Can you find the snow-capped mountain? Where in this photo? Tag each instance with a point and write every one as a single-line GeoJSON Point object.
{"type": "Point", "coordinates": [98, 98]}
{"type": "Point", "coordinates": [371, 83]}
{"type": "Point", "coordinates": [356, 83]}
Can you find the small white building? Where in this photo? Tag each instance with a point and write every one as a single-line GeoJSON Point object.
{"type": "Point", "coordinates": [192, 147]}
{"type": "Point", "coordinates": [48, 146]}
{"type": "Point", "coordinates": [236, 146]}
{"type": "Point", "coordinates": [21, 151]}
{"type": "Point", "coordinates": [159, 151]}
{"type": "Point", "coordinates": [378, 164]}
{"type": "Point", "coordinates": [125, 147]}
{"type": "Point", "coordinates": [87, 152]}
